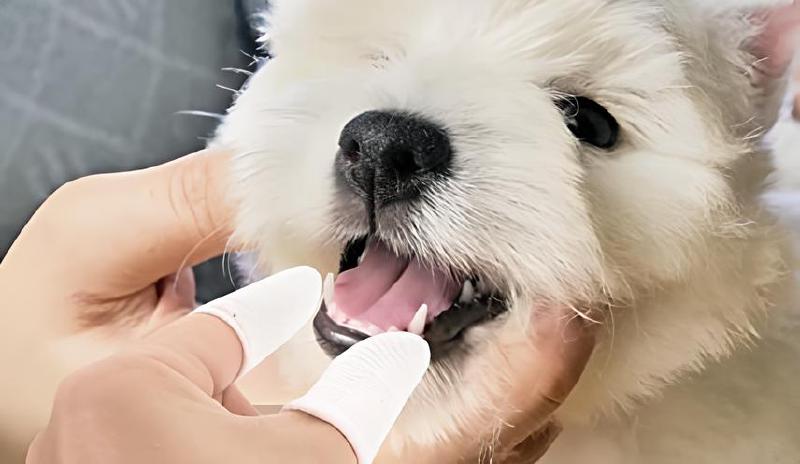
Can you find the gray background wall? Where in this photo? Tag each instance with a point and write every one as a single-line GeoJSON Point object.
{"type": "Point", "coordinates": [91, 86]}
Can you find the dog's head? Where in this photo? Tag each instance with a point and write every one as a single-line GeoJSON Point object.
{"type": "Point", "coordinates": [460, 163]}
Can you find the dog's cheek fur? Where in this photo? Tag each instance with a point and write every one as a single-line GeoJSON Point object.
{"type": "Point", "coordinates": [699, 261]}
{"type": "Point", "coordinates": [656, 230]}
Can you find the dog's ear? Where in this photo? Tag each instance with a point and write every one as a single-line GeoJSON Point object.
{"type": "Point", "coordinates": [773, 46]}
{"type": "Point", "coordinates": [758, 41]}
{"type": "Point", "coordinates": [777, 38]}
{"type": "Point", "coordinates": [740, 55]}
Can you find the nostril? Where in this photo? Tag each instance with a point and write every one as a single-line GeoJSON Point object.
{"type": "Point", "coordinates": [434, 154]}
{"type": "Point", "coordinates": [351, 149]}
{"type": "Point", "coordinates": [403, 161]}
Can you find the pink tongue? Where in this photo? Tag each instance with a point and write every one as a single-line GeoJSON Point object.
{"type": "Point", "coordinates": [387, 291]}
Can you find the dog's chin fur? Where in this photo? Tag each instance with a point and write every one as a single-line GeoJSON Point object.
{"type": "Point", "coordinates": [666, 233]}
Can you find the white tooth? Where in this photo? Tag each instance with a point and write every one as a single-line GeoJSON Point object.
{"type": "Point", "coordinates": [482, 288]}
{"type": "Point", "coordinates": [393, 329]}
{"type": "Point", "coordinates": [417, 324]}
{"type": "Point", "coordinates": [363, 254]}
{"type": "Point", "coordinates": [467, 292]}
{"type": "Point", "coordinates": [327, 296]}
{"type": "Point", "coordinates": [327, 290]}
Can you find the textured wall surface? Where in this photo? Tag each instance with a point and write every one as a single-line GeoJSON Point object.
{"type": "Point", "coordinates": [92, 86]}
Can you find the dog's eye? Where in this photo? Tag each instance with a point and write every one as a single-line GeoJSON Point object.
{"type": "Point", "coordinates": [590, 122]}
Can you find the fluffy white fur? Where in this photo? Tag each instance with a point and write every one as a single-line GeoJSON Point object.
{"type": "Point", "coordinates": [667, 234]}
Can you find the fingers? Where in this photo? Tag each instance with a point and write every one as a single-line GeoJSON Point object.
{"type": "Point", "coordinates": [366, 388]}
{"type": "Point", "coordinates": [234, 401]}
{"type": "Point", "coordinates": [229, 336]}
{"type": "Point", "coordinates": [534, 447]}
{"type": "Point", "coordinates": [207, 349]}
{"type": "Point", "coordinates": [557, 350]}
{"type": "Point", "coordinates": [563, 345]}
{"type": "Point", "coordinates": [267, 314]}
{"type": "Point", "coordinates": [294, 437]}
{"type": "Point", "coordinates": [178, 295]}
{"type": "Point", "coordinates": [181, 288]}
{"type": "Point", "coordinates": [144, 224]}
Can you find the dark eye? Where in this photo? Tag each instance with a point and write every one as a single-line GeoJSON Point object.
{"type": "Point", "coordinates": [590, 122]}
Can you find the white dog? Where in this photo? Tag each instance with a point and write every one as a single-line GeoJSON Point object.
{"type": "Point", "coordinates": [460, 162]}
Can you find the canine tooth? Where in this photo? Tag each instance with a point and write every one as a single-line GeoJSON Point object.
{"type": "Point", "coordinates": [467, 292]}
{"type": "Point", "coordinates": [363, 254]}
{"type": "Point", "coordinates": [482, 288]}
{"type": "Point", "coordinates": [417, 324]}
{"type": "Point", "coordinates": [327, 289]}
{"type": "Point", "coordinates": [327, 296]}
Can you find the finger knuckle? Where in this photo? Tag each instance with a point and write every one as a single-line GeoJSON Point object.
{"type": "Point", "coordinates": [57, 208]}
{"type": "Point", "coordinates": [189, 199]}
{"type": "Point", "coordinates": [57, 217]}
{"type": "Point", "coordinates": [74, 190]}
{"type": "Point", "coordinates": [85, 390]}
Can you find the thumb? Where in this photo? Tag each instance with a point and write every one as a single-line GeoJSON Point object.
{"type": "Point", "coordinates": [145, 224]}
{"type": "Point", "coordinates": [364, 390]}
{"type": "Point", "coordinates": [226, 338]}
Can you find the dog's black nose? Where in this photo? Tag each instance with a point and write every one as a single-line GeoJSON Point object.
{"type": "Point", "coordinates": [388, 156]}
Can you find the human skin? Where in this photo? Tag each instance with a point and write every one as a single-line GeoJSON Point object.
{"type": "Point", "coordinates": [103, 245]}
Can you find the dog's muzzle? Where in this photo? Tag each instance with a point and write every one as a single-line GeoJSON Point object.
{"type": "Point", "coordinates": [385, 159]}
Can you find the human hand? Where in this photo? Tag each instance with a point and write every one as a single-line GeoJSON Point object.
{"type": "Point", "coordinates": [523, 426]}
{"type": "Point", "coordinates": [146, 225]}
{"type": "Point", "coordinates": [168, 398]}
{"type": "Point", "coordinates": [103, 243]}
{"type": "Point", "coordinates": [562, 344]}
{"type": "Point", "coordinates": [94, 254]}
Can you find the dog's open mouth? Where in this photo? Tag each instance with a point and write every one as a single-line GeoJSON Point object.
{"type": "Point", "coordinates": [378, 291]}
